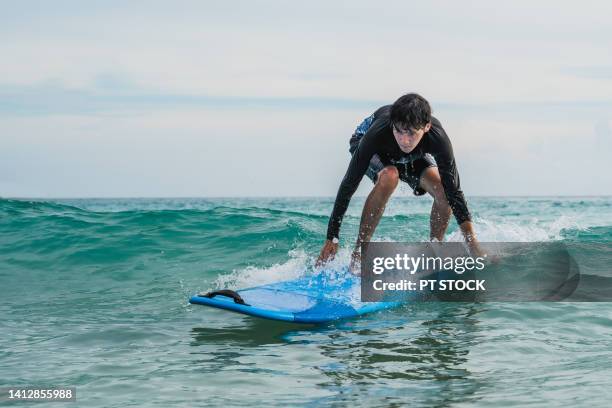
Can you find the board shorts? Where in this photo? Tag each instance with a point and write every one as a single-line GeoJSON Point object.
{"type": "Point", "coordinates": [409, 172]}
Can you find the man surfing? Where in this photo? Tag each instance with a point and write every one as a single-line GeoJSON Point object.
{"type": "Point", "coordinates": [400, 142]}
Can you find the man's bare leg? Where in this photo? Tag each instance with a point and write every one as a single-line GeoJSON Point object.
{"type": "Point", "coordinates": [374, 207]}
{"type": "Point", "coordinates": [440, 210]}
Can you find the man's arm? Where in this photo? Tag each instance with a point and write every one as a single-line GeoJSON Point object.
{"type": "Point", "coordinates": [356, 169]}
{"type": "Point", "coordinates": [449, 175]}
{"type": "Point", "coordinates": [354, 174]}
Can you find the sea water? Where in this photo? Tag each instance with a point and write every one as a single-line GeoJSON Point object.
{"type": "Point", "coordinates": [94, 296]}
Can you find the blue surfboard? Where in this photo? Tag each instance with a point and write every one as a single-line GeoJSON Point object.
{"type": "Point", "coordinates": [319, 298]}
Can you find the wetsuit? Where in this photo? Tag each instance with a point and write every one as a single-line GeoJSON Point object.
{"type": "Point", "coordinates": [373, 147]}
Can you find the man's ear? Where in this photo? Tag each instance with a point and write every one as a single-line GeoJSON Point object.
{"type": "Point", "coordinates": [427, 127]}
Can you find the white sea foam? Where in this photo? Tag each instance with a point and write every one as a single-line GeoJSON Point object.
{"type": "Point", "coordinates": [491, 230]}
{"type": "Point", "coordinates": [298, 264]}
{"type": "Point", "coordinates": [293, 268]}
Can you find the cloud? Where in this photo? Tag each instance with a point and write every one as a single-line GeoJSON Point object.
{"type": "Point", "coordinates": [112, 94]}
{"type": "Point", "coordinates": [598, 72]}
{"type": "Point", "coordinates": [259, 98]}
{"type": "Point", "coordinates": [51, 98]}
{"type": "Point", "coordinates": [469, 51]}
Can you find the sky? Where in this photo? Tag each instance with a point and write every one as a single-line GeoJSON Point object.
{"type": "Point", "coordinates": [260, 98]}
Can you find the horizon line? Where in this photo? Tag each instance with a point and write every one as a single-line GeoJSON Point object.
{"type": "Point", "coordinates": [288, 196]}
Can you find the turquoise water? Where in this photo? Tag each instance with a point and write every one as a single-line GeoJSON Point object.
{"type": "Point", "coordinates": [94, 295]}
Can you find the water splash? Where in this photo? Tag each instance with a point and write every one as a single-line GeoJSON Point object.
{"type": "Point", "coordinates": [494, 230]}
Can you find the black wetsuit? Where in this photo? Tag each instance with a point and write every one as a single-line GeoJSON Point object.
{"type": "Point", "coordinates": [379, 140]}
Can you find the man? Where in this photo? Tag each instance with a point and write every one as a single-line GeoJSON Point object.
{"type": "Point", "coordinates": [400, 142]}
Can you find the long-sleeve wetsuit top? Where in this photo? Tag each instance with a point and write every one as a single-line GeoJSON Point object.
{"type": "Point", "coordinates": [379, 140]}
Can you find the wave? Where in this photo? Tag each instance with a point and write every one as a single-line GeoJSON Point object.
{"type": "Point", "coordinates": [248, 244]}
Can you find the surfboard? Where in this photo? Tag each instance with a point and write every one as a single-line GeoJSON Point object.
{"type": "Point", "coordinates": [318, 298]}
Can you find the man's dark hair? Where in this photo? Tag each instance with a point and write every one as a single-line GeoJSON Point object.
{"type": "Point", "coordinates": [410, 111]}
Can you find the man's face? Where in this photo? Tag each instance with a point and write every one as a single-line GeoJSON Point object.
{"type": "Point", "coordinates": [408, 139]}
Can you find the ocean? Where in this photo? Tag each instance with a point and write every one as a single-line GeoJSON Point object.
{"type": "Point", "coordinates": [94, 296]}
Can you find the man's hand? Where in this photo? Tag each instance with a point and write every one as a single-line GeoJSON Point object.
{"type": "Point", "coordinates": [476, 250]}
{"type": "Point", "coordinates": [467, 228]}
{"type": "Point", "coordinates": [355, 265]}
{"type": "Point", "coordinates": [327, 253]}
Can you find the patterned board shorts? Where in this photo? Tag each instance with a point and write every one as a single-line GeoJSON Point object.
{"type": "Point", "coordinates": [410, 172]}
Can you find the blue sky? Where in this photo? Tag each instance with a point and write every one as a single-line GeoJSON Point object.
{"type": "Point", "coordinates": [259, 98]}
